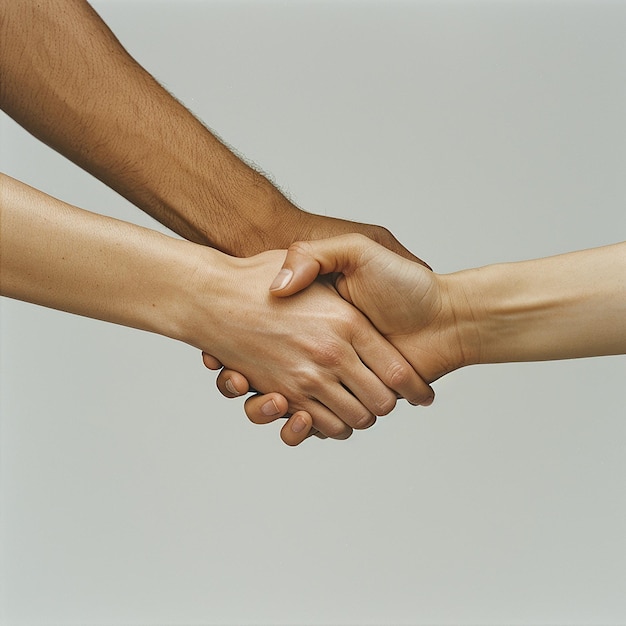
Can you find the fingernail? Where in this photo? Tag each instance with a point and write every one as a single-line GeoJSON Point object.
{"type": "Point", "coordinates": [269, 408]}
{"type": "Point", "coordinates": [282, 280]}
{"type": "Point", "coordinates": [230, 387]}
{"type": "Point", "coordinates": [298, 424]}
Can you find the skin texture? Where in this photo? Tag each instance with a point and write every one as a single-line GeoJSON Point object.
{"type": "Point", "coordinates": [69, 82]}
{"type": "Point", "coordinates": [315, 349]}
{"type": "Point", "coordinates": [562, 307]}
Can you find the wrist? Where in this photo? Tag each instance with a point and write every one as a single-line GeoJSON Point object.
{"type": "Point", "coordinates": [462, 317]}
{"type": "Point", "coordinates": [561, 307]}
{"type": "Point", "coordinates": [194, 293]}
{"type": "Point", "coordinates": [513, 316]}
{"type": "Point", "coordinates": [226, 205]}
{"type": "Point", "coordinates": [441, 334]}
{"type": "Point", "coordinates": [253, 217]}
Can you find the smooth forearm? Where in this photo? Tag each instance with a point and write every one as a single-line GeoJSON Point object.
{"type": "Point", "coordinates": [63, 257]}
{"type": "Point", "coordinates": [66, 258]}
{"type": "Point", "coordinates": [567, 306]}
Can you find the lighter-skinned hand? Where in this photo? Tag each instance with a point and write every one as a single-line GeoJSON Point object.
{"type": "Point", "coordinates": [315, 349]}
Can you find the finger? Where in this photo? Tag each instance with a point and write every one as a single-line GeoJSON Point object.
{"type": "Point", "coordinates": [378, 377]}
{"type": "Point", "coordinates": [360, 395]}
{"type": "Point", "coordinates": [232, 384]}
{"type": "Point", "coordinates": [266, 408]}
{"type": "Point", "coordinates": [306, 260]}
{"type": "Point", "coordinates": [211, 362]}
{"type": "Point", "coordinates": [337, 403]}
{"type": "Point", "coordinates": [355, 414]}
{"type": "Point", "coordinates": [388, 366]}
{"type": "Point", "coordinates": [428, 401]}
{"type": "Point", "coordinates": [326, 422]}
{"type": "Point", "coordinates": [297, 428]}
{"type": "Point", "coordinates": [344, 254]}
{"type": "Point", "coordinates": [263, 409]}
{"type": "Point", "coordinates": [371, 373]}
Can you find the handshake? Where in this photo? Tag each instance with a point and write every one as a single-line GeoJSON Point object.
{"type": "Point", "coordinates": [348, 326]}
{"type": "Point", "coordinates": [333, 333]}
{"type": "Point", "coordinates": [409, 326]}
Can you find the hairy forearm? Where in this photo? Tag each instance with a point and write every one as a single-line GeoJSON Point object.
{"type": "Point", "coordinates": [567, 306]}
{"type": "Point", "coordinates": [67, 79]}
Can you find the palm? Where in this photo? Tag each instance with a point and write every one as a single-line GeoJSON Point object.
{"type": "Point", "coordinates": [404, 301]}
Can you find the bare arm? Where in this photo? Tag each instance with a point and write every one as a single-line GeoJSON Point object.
{"type": "Point", "coordinates": [567, 306]}
{"type": "Point", "coordinates": [562, 307]}
{"type": "Point", "coordinates": [312, 348]}
{"type": "Point", "coordinates": [66, 78]}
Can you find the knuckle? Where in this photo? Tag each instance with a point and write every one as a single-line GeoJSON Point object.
{"type": "Point", "coordinates": [352, 319]}
{"type": "Point", "coordinates": [309, 383]}
{"type": "Point", "coordinates": [300, 247]}
{"type": "Point", "coordinates": [399, 375]}
{"type": "Point", "coordinates": [343, 323]}
{"type": "Point", "coordinates": [327, 353]}
{"type": "Point", "coordinates": [367, 421]}
{"type": "Point", "coordinates": [385, 405]}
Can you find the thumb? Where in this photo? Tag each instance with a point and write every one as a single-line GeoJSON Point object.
{"type": "Point", "coordinates": [306, 260]}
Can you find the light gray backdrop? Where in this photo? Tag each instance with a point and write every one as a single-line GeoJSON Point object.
{"type": "Point", "coordinates": [133, 493]}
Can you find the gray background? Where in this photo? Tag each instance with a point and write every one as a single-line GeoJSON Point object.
{"type": "Point", "coordinates": [133, 493]}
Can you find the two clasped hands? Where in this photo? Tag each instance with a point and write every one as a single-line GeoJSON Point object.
{"type": "Point", "coordinates": [567, 306]}
{"type": "Point", "coordinates": [352, 322]}
{"type": "Point", "coordinates": [334, 330]}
